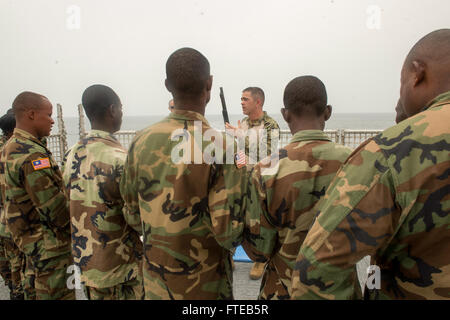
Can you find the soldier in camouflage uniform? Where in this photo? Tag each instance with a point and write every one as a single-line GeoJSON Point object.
{"type": "Point", "coordinates": [282, 194]}
{"type": "Point", "coordinates": [36, 208]}
{"type": "Point", "coordinates": [191, 212]}
{"type": "Point", "coordinates": [107, 250]}
{"type": "Point", "coordinates": [5, 266]}
{"type": "Point", "coordinates": [391, 198]}
{"type": "Point", "coordinates": [13, 260]}
{"type": "Point", "coordinates": [252, 101]}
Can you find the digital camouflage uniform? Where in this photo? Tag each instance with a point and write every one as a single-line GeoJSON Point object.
{"type": "Point", "coordinates": [280, 201]}
{"type": "Point", "coordinates": [37, 213]}
{"type": "Point", "coordinates": [107, 250]}
{"type": "Point", "coordinates": [191, 214]}
{"type": "Point", "coordinates": [267, 123]}
{"type": "Point", "coordinates": [391, 200]}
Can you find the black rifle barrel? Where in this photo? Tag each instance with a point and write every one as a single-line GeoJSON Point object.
{"type": "Point", "coordinates": [224, 107]}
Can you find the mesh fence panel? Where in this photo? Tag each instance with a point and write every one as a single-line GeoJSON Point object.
{"type": "Point", "coordinates": [55, 145]}
{"type": "Point", "coordinates": [353, 138]}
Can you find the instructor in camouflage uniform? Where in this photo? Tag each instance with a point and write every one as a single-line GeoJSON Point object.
{"type": "Point", "coordinates": [107, 250]}
{"type": "Point", "coordinates": [36, 208]}
{"type": "Point", "coordinates": [282, 194]}
{"type": "Point", "coordinates": [391, 199]}
{"type": "Point", "coordinates": [191, 211]}
{"type": "Point", "coordinates": [252, 102]}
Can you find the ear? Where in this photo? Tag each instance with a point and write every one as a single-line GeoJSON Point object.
{"type": "Point", "coordinates": [168, 86]}
{"type": "Point", "coordinates": [286, 115]}
{"type": "Point", "coordinates": [31, 113]}
{"type": "Point", "coordinates": [209, 83]}
{"type": "Point", "coordinates": [327, 112]}
{"type": "Point", "coordinates": [419, 72]}
{"type": "Point", "coordinates": [112, 111]}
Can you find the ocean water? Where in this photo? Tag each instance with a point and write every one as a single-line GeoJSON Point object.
{"type": "Point", "coordinates": [356, 121]}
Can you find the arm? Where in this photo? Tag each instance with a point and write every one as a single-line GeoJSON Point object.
{"type": "Point", "coordinates": [227, 204]}
{"type": "Point", "coordinates": [260, 237]}
{"type": "Point", "coordinates": [128, 191]}
{"type": "Point", "coordinates": [46, 191]}
{"type": "Point", "coordinates": [357, 217]}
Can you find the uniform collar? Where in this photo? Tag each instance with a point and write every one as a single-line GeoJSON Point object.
{"type": "Point", "coordinates": [258, 121]}
{"type": "Point", "coordinates": [101, 134]}
{"type": "Point", "coordinates": [441, 99]}
{"type": "Point", "coordinates": [305, 135]}
{"type": "Point", "coordinates": [187, 115]}
{"type": "Point", "coordinates": [26, 135]}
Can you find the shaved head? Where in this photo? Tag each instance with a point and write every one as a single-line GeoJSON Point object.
{"type": "Point", "coordinates": [187, 71]}
{"type": "Point", "coordinates": [432, 48]}
{"type": "Point", "coordinates": [27, 100]}
{"type": "Point", "coordinates": [426, 72]}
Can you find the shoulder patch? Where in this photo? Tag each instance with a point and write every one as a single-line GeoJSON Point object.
{"type": "Point", "coordinates": [42, 163]}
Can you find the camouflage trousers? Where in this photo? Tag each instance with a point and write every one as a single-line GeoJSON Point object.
{"type": "Point", "coordinates": [5, 267]}
{"type": "Point", "coordinates": [50, 278]}
{"type": "Point", "coordinates": [130, 290]}
{"type": "Point", "coordinates": [28, 279]}
{"type": "Point", "coordinates": [16, 260]}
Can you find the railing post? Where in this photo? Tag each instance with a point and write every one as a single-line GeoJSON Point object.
{"type": "Point", "coordinates": [61, 130]}
{"type": "Point", "coordinates": [342, 136]}
{"type": "Point", "coordinates": [81, 127]}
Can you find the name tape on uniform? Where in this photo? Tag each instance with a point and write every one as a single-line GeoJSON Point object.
{"type": "Point", "coordinates": [41, 163]}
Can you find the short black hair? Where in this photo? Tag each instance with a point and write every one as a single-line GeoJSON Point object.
{"type": "Point", "coordinates": [8, 122]}
{"type": "Point", "coordinates": [305, 94]}
{"type": "Point", "coordinates": [96, 100]}
{"type": "Point", "coordinates": [256, 93]}
{"type": "Point", "coordinates": [187, 71]}
{"type": "Point", "coordinates": [25, 101]}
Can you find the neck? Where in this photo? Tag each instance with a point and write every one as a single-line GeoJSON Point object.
{"type": "Point", "coordinates": [28, 129]}
{"type": "Point", "coordinates": [102, 127]}
{"type": "Point", "coordinates": [302, 124]}
{"type": "Point", "coordinates": [258, 113]}
{"type": "Point", "coordinates": [197, 105]}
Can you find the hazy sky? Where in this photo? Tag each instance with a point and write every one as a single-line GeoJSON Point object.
{"type": "Point", "coordinates": [356, 47]}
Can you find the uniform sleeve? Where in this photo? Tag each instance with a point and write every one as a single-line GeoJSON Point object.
{"type": "Point", "coordinates": [273, 135]}
{"type": "Point", "coordinates": [129, 193]}
{"type": "Point", "coordinates": [227, 204]}
{"type": "Point", "coordinates": [46, 191]}
{"type": "Point", "coordinates": [356, 218]}
{"type": "Point", "coordinates": [260, 237]}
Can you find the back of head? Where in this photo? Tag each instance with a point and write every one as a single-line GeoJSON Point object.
{"type": "Point", "coordinates": [425, 73]}
{"type": "Point", "coordinates": [8, 123]}
{"type": "Point", "coordinates": [97, 99]}
{"type": "Point", "coordinates": [305, 95]}
{"type": "Point", "coordinates": [187, 72]}
{"type": "Point", "coordinates": [257, 93]}
{"type": "Point", "coordinates": [25, 101]}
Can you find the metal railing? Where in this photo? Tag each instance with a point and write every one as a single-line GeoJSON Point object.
{"type": "Point", "coordinates": [57, 143]}
{"type": "Point", "coordinates": [349, 138]}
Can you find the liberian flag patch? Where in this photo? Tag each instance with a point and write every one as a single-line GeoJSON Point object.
{"type": "Point", "coordinates": [41, 163]}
